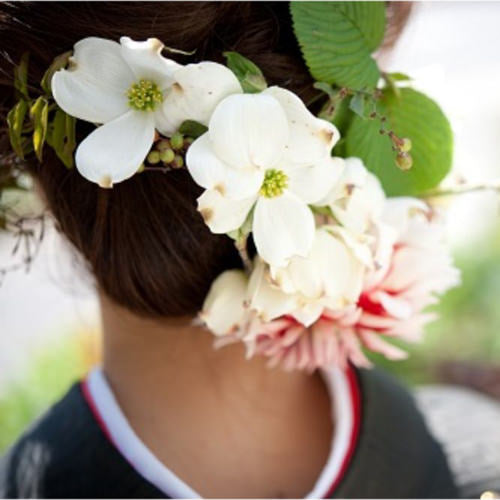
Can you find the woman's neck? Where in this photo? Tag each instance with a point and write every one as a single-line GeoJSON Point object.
{"type": "Point", "coordinates": [190, 403]}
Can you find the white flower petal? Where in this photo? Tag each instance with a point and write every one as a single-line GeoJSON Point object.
{"type": "Point", "coordinates": [355, 172]}
{"type": "Point", "coordinates": [197, 90]}
{"type": "Point", "coordinates": [224, 310]}
{"type": "Point", "coordinates": [312, 183]}
{"type": "Point", "coordinates": [94, 87]}
{"type": "Point", "coordinates": [376, 343]}
{"type": "Point", "coordinates": [342, 271]}
{"type": "Point", "coordinates": [221, 214]}
{"type": "Point", "coordinates": [114, 151]}
{"type": "Point", "coordinates": [399, 211]}
{"type": "Point", "coordinates": [282, 228]}
{"type": "Point", "coordinates": [395, 306]}
{"type": "Point", "coordinates": [358, 245]}
{"type": "Point", "coordinates": [300, 276]}
{"type": "Point", "coordinates": [210, 172]}
{"type": "Point", "coordinates": [358, 199]}
{"type": "Point", "coordinates": [249, 130]}
{"type": "Point", "coordinates": [309, 313]}
{"type": "Point", "coordinates": [146, 61]}
{"type": "Point", "coordinates": [268, 301]}
{"type": "Point", "coordinates": [311, 138]}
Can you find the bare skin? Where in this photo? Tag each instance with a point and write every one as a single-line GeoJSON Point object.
{"type": "Point", "coordinates": [226, 426]}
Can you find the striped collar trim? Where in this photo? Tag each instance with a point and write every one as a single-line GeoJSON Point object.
{"type": "Point", "coordinates": [345, 396]}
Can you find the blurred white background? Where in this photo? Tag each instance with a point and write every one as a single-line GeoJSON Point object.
{"type": "Point", "coordinates": [450, 48]}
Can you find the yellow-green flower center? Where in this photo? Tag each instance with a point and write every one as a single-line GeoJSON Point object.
{"type": "Point", "coordinates": [275, 182]}
{"type": "Point", "coordinates": [144, 95]}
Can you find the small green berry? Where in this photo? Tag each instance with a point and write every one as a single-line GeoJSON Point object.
{"type": "Point", "coordinates": [404, 161]}
{"type": "Point", "coordinates": [188, 141]}
{"type": "Point", "coordinates": [178, 162]}
{"type": "Point", "coordinates": [405, 145]}
{"type": "Point", "coordinates": [154, 157]}
{"type": "Point", "coordinates": [141, 168]}
{"type": "Point", "coordinates": [177, 140]}
{"type": "Point", "coordinates": [167, 156]}
{"type": "Point", "coordinates": [163, 145]}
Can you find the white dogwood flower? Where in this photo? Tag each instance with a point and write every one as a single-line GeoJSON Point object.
{"type": "Point", "coordinates": [357, 200]}
{"type": "Point", "coordinates": [330, 276]}
{"type": "Point", "coordinates": [133, 90]}
{"type": "Point", "coordinates": [268, 152]}
{"type": "Point", "coordinates": [224, 310]}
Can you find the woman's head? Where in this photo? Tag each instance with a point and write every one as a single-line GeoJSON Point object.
{"type": "Point", "coordinates": [144, 240]}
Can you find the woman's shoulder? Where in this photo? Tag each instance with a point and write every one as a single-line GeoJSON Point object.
{"type": "Point", "coordinates": [65, 453]}
{"type": "Point", "coordinates": [396, 455]}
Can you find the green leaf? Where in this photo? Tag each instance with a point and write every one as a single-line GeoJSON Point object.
{"type": "Point", "coordinates": [399, 77]}
{"type": "Point", "coordinates": [15, 122]}
{"type": "Point", "coordinates": [192, 129]}
{"type": "Point", "coordinates": [417, 117]}
{"type": "Point", "coordinates": [249, 75]}
{"type": "Point", "coordinates": [61, 137]}
{"type": "Point", "coordinates": [58, 63]}
{"type": "Point", "coordinates": [21, 76]}
{"type": "Point", "coordinates": [357, 104]}
{"type": "Point", "coordinates": [326, 88]}
{"type": "Point", "coordinates": [338, 38]}
{"type": "Point", "coordinates": [39, 113]}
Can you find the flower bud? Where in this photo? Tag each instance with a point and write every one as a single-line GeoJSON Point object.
{"type": "Point", "coordinates": [153, 157]}
{"type": "Point", "coordinates": [404, 161]}
{"type": "Point", "coordinates": [177, 140]}
{"type": "Point", "coordinates": [167, 156]}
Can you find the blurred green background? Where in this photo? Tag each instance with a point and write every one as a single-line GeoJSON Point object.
{"type": "Point", "coordinates": [50, 374]}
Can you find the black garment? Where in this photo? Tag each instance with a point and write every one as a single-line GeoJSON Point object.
{"type": "Point", "coordinates": [66, 454]}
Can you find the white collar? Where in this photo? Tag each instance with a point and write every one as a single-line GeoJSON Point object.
{"type": "Point", "coordinates": [344, 394]}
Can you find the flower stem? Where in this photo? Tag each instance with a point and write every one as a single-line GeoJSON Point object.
{"type": "Point", "coordinates": [463, 189]}
{"type": "Point", "coordinates": [241, 246]}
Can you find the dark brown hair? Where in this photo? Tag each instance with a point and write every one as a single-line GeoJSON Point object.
{"type": "Point", "coordinates": [144, 241]}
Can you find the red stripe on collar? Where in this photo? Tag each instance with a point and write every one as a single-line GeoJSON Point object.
{"type": "Point", "coordinates": [355, 393]}
{"type": "Point", "coordinates": [84, 386]}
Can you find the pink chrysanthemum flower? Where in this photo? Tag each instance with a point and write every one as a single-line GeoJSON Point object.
{"type": "Point", "coordinates": [327, 342]}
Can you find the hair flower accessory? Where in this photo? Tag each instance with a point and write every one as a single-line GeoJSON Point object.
{"type": "Point", "coordinates": [268, 153]}
{"type": "Point", "coordinates": [366, 279]}
{"type": "Point", "coordinates": [333, 268]}
{"type": "Point", "coordinates": [357, 200]}
{"type": "Point", "coordinates": [302, 290]}
{"type": "Point", "coordinates": [133, 90]}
